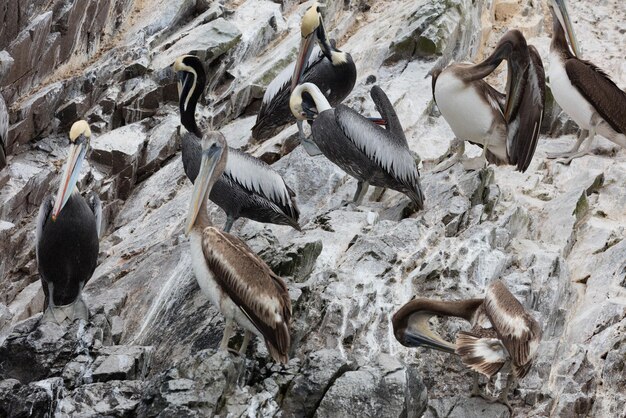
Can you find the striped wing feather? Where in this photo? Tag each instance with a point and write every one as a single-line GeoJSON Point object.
{"type": "Point", "coordinates": [601, 92]}
{"type": "Point", "coordinates": [483, 355]}
{"type": "Point", "coordinates": [519, 332]}
{"type": "Point", "coordinates": [252, 286]}
{"type": "Point", "coordinates": [523, 129]}
{"type": "Point", "coordinates": [380, 145]}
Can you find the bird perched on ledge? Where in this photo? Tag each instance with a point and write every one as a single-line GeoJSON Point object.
{"type": "Point", "coordinates": [234, 278]}
{"type": "Point", "coordinates": [583, 91]}
{"type": "Point", "coordinates": [68, 230]}
{"type": "Point", "coordinates": [503, 333]}
{"type": "Point", "coordinates": [359, 146]}
{"type": "Point", "coordinates": [505, 126]}
{"type": "Point", "coordinates": [332, 70]}
{"type": "Point", "coordinates": [248, 188]}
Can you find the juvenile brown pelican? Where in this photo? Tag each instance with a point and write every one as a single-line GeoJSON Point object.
{"type": "Point", "coordinates": [332, 70]}
{"type": "Point", "coordinates": [4, 132]}
{"type": "Point", "coordinates": [360, 147]}
{"type": "Point", "coordinates": [584, 91]}
{"type": "Point", "coordinates": [248, 188]}
{"type": "Point", "coordinates": [506, 127]}
{"type": "Point", "coordinates": [503, 332]}
{"type": "Point", "coordinates": [234, 278]}
{"type": "Point", "coordinates": [68, 230]}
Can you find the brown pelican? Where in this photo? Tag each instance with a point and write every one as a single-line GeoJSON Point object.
{"type": "Point", "coordinates": [584, 91]}
{"type": "Point", "coordinates": [360, 147]}
{"type": "Point", "coordinates": [506, 127]}
{"type": "Point", "coordinates": [503, 332]}
{"type": "Point", "coordinates": [67, 246]}
{"type": "Point", "coordinates": [332, 70]}
{"type": "Point", "coordinates": [248, 188]}
{"type": "Point", "coordinates": [234, 278]}
{"type": "Point", "coordinates": [4, 132]}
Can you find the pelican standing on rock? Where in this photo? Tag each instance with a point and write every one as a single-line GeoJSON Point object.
{"type": "Point", "coordinates": [4, 132]}
{"type": "Point", "coordinates": [234, 278]}
{"type": "Point", "coordinates": [583, 91]}
{"type": "Point", "coordinates": [358, 146]}
{"type": "Point", "coordinates": [332, 70]}
{"type": "Point", "coordinates": [506, 127]}
{"type": "Point", "coordinates": [503, 332]}
{"type": "Point", "coordinates": [68, 230]}
{"type": "Point", "coordinates": [248, 188]}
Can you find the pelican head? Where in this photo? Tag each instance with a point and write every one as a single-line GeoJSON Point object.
{"type": "Point", "coordinates": [212, 165]}
{"type": "Point", "coordinates": [191, 81]}
{"type": "Point", "coordinates": [411, 329]}
{"type": "Point", "coordinates": [560, 13]}
{"type": "Point", "coordinates": [80, 134]}
{"type": "Point", "coordinates": [307, 101]}
{"type": "Point", "coordinates": [311, 29]}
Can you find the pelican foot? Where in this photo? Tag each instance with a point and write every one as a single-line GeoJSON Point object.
{"type": "Point", "coordinates": [349, 204]}
{"type": "Point", "coordinates": [67, 313]}
{"type": "Point", "coordinates": [567, 160]}
{"type": "Point", "coordinates": [444, 165]}
{"type": "Point", "coordinates": [310, 147]}
{"type": "Point", "coordinates": [473, 164]}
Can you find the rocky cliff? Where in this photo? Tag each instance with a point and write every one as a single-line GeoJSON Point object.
{"type": "Point", "coordinates": [554, 234]}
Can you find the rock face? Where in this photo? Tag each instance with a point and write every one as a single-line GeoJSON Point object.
{"type": "Point", "coordinates": [555, 234]}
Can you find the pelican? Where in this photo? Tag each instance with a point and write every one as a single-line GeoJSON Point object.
{"type": "Point", "coordinates": [506, 127]}
{"type": "Point", "coordinates": [234, 278]}
{"type": "Point", "coordinates": [503, 332]}
{"type": "Point", "coordinates": [583, 91]}
{"type": "Point", "coordinates": [4, 132]}
{"type": "Point", "coordinates": [332, 70]}
{"type": "Point", "coordinates": [248, 188]}
{"type": "Point", "coordinates": [68, 230]}
{"type": "Point", "coordinates": [360, 147]}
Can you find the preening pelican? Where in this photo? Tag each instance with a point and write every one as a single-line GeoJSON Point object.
{"type": "Point", "coordinates": [68, 230]}
{"type": "Point", "coordinates": [248, 188]}
{"type": "Point", "coordinates": [234, 278]}
{"type": "Point", "coordinates": [506, 127]}
{"type": "Point", "coordinates": [503, 332]}
{"type": "Point", "coordinates": [332, 70]}
{"type": "Point", "coordinates": [357, 145]}
{"type": "Point", "coordinates": [583, 91]}
{"type": "Point", "coordinates": [4, 132]}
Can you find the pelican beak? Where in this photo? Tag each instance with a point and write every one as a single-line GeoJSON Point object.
{"type": "Point", "coordinates": [73, 164]}
{"type": "Point", "coordinates": [203, 184]}
{"type": "Point", "coordinates": [417, 339]}
{"type": "Point", "coordinates": [559, 8]}
{"type": "Point", "coordinates": [308, 31]}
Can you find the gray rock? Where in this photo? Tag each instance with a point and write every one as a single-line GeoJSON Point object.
{"type": "Point", "coordinates": [121, 363]}
{"type": "Point", "coordinates": [375, 390]}
{"type": "Point", "coordinates": [208, 41]}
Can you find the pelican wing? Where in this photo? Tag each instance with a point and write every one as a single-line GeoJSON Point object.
{"type": "Point", "coordinates": [252, 286]}
{"type": "Point", "coordinates": [519, 332]}
{"type": "Point", "coordinates": [42, 217]}
{"type": "Point", "coordinates": [603, 94]}
{"type": "Point", "coordinates": [388, 113]}
{"type": "Point", "coordinates": [258, 177]}
{"type": "Point", "coordinates": [282, 82]}
{"type": "Point", "coordinates": [483, 355]}
{"type": "Point", "coordinates": [388, 151]}
{"type": "Point", "coordinates": [4, 131]}
{"type": "Point", "coordinates": [523, 128]}
{"type": "Point", "coordinates": [94, 203]}
{"type": "Point", "coordinates": [274, 111]}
